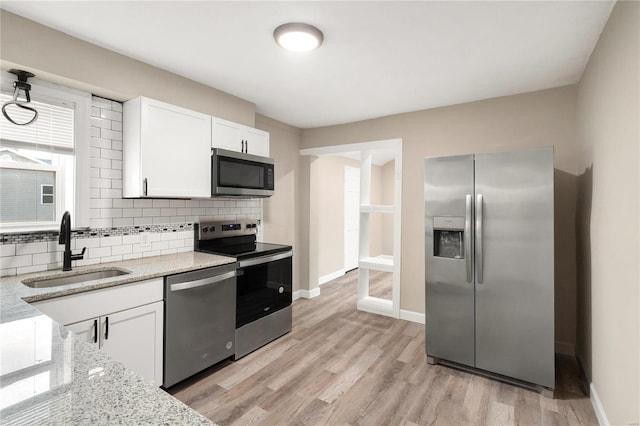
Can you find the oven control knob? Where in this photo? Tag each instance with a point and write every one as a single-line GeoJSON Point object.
{"type": "Point", "coordinates": [205, 229]}
{"type": "Point", "coordinates": [281, 290]}
{"type": "Point", "coordinates": [229, 345]}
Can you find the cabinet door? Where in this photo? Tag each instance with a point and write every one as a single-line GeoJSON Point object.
{"type": "Point", "coordinates": [227, 135]}
{"type": "Point", "coordinates": [175, 151]}
{"type": "Point", "coordinates": [257, 142]}
{"type": "Point", "coordinates": [86, 331]}
{"type": "Point", "coordinates": [134, 337]}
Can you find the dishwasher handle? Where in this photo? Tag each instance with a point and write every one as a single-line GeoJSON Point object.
{"type": "Point", "coordinates": [200, 283]}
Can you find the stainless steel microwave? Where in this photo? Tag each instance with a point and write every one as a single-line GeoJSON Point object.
{"type": "Point", "coordinates": [238, 174]}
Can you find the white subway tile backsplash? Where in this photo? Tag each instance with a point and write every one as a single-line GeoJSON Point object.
{"type": "Point", "coordinates": [110, 213]}
{"type": "Point", "coordinates": [121, 222]}
{"type": "Point", "coordinates": [110, 193]}
{"type": "Point", "coordinates": [177, 203]}
{"type": "Point", "coordinates": [131, 256]}
{"type": "Point", "coordinates": [31, 269]}
{"type": "Point", "coordinates": [130, 239]}
{"type": "Point", "coordinates": [116, 164]}
{"type": "Point", "coordinates": [169, 251]}
{"type": "Point", "coordinates": [98, 252]}
{"type": "Point", "coordinates": [101, 143]}
{"type": "Point", "coordinates": [16, 261]}
{"type": "Point", "coordinates": [123, 249]}
{"type": "Point", "coordinates": [7, 250]}
{"type": "Point", "coordinates": [31, 248]}
{"type": "Point", "coordinates": [116, 183]}
{"type": "Point", "coordinates": [167, 212]}
{"type": "Point", "coordinates": [106, 259]}
{"type": "Point", "coordinates": [150, 212]}
{"type": "Point", "coordinates": [101, 102]}
{"type": "Point", "coordinates": [110, 174]}
{"type": "Point", "coordinates": [142, 203]}
{"type": "Point", "coordinates": [160, 245]}
{"type": "Point", "coordinates": [111, 134]}
{"type": "Point", "coordinates": [116, 106]}
{"type": "Point", "coordinates": [132, 212]}
{"type": "Point", "coordinates": [101, 123]}
{"type": "Point", "coordinates": [176, 244]}
{"type": "Point", "coordinates": [116, 145]}
{"type": "Point", "coordinates": [7, 272]}
{"type": "Point", "coordinates": [100, 203]}
{"type": "Point", "coordinates": [123, 203]}
{"type": "Point", "coordinates": [161, 220]}
{"type": "Point", "coordinates": [161, 203]}
{"type": "Point", "coordinates": [168, 236]}
{"type": "Point", "coordinates": [111, 154]}
{"type": "Point", "coordinates": [100, 183]}
{"type": "Point", "coordinates": [46, 258]}
{"type": "Point", "coordinates": [111, 115]}
{"type": "Point", "coordinates": [116, 125]}
{"type": "Point", "coordinates": [87, 242]}
{"type": "Point", "coordinates": [110, 241]}
{"type": "Point", "coordinates": [94, 152]}
{"type": "Point", "coordinates": [101, 163]}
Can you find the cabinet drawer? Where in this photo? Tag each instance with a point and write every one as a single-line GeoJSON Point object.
{"type": "Point", "coordinates": [83, 306]}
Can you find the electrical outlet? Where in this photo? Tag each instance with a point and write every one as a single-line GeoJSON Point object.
{"type": "Point", "coordinates": [144, 241]}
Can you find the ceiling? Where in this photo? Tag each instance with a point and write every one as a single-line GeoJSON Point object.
{"type": "Point", "coordinates": [378, 58]}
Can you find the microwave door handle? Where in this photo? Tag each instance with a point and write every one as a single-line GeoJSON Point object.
{"type": "Point", "coordinates": [264, 259]}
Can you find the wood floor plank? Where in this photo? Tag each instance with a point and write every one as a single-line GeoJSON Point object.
{"type": "Point", "coordinates": [341, 366]}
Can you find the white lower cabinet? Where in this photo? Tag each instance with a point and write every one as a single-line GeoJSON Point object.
{"type": "Point", "coordinates": [126, 321]}
{"type": "Point", "coordinates": [131, 337]}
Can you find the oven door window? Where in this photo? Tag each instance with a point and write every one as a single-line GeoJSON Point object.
{"type": "Point", "coordinates": [241, 174]}
{"type": "Point", "coordinates": [262, 289]}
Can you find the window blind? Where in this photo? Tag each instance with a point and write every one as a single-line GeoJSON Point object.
{"type": "Point", "coordinates": [53, 127]}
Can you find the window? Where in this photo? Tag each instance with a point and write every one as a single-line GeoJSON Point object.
{"type": "Point", "coordinates": [44, 166]}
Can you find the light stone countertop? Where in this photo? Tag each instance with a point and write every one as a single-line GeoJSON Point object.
{"type": "Point", "coordinates": [47, 376]}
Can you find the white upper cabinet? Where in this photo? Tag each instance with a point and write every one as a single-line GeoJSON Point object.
{"type": "Point", "coordinates": [236, 137]}
{"type": "Point", "coordinates": [166, 150]}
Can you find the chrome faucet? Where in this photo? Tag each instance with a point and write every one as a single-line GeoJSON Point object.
{"type": "Point", "coordinates": [65, 238]}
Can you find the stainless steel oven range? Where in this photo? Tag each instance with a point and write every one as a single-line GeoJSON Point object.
{"type": "Point", "coordinates": [263, 280]}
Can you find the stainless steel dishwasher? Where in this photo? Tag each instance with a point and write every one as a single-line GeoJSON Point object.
{"type": "Point", "coordinates": [199, 321]}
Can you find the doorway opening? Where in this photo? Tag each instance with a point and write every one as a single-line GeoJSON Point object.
{"type": "Point", "coordinates": [355, 220]}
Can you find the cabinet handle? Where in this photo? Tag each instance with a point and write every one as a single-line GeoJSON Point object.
{"type": "Point", "coordinates": [242, 149]}
{"type": "Point", "coordinates": [144, 186]}
{"type": "Point", "coordinates": [95, 331]}
{"type": "Point", "coordinates": [106, 328]}
{"type": "Point", "coordinates": [246, 146]}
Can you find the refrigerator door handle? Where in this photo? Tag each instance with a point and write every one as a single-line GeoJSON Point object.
{"type": "Point", "coordinates": [479, 271]}
{"type": "Point", "coordinates": [467, 238]}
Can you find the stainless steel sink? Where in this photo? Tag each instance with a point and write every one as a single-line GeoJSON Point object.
{"type": "Point", "coordinates": [55, 281]}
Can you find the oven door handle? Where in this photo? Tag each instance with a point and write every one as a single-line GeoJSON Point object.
{"type": "Point", "coordinates": [200, 283]}
{"type": "Point", "coordinates": [264, 259]}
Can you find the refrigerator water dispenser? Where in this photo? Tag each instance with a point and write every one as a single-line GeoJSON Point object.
{"type": "Point", "coordinates": [448, 236]}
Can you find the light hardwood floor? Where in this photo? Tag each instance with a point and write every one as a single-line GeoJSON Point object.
{"type": "Point", "coordinates": [341, 366]}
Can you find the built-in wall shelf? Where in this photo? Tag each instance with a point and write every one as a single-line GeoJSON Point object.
{"type": "Point", "coordinates": [369, 208]}
{"type": "Point", "coordinates": [377, 263]}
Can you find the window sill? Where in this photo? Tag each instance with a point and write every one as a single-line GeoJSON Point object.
{"type": "Point", "coordinates": [34, 229]}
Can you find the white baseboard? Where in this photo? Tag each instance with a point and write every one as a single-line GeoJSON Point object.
{"type": "Point", "coordinates": [306, 294]}
{"type": "Point", "coordinates": [332, 276]}
{"type": "Point", "coordinates": [375, 305]}
{"type": "Point", "coordinates": [565, 348]}
{"type": "Point", "coordinates": [412, 316]}
{"type": "Point", "coordinates": [597, 406]}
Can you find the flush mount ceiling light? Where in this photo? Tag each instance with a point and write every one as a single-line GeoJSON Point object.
{"type": "Point", "coordinates": [298, 37]}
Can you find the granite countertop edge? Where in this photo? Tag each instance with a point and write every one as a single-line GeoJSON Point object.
{"type": "Point", "coordinates": [116, 379]}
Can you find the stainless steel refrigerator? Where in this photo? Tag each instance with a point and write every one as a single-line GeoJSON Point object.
{"type": "Point", "coordinates": [489, 263]}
